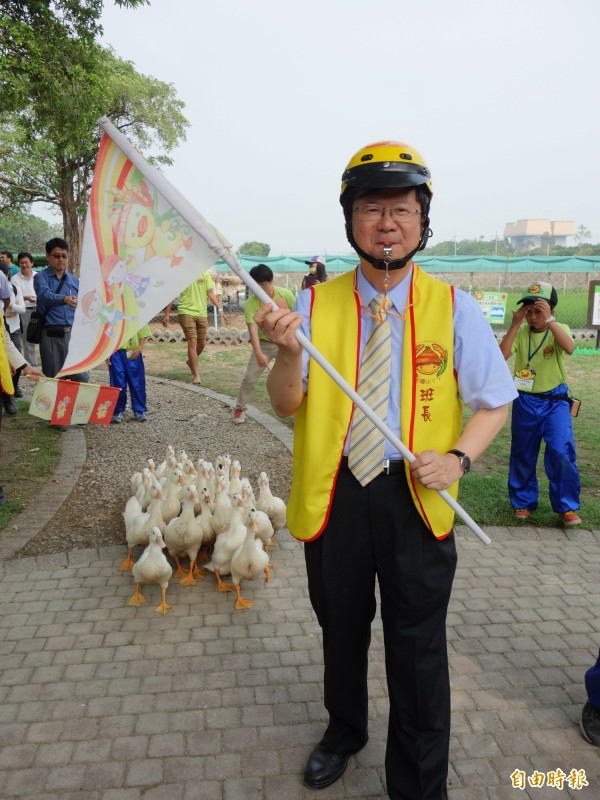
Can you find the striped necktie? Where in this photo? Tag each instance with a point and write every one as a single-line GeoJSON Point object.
{"type": "Point", "coordinates": [365, 457]}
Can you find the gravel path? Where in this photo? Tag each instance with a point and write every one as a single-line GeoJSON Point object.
{"type": "Point", "coordinates": [180, 416]}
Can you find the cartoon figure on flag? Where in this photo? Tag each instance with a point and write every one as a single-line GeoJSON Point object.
{"type": "Point", "coordinates": [139, 225]}
{"type": "Point", "coordinates": [117, 279]}
{"type": "Point", "coordinates": [138, 253]}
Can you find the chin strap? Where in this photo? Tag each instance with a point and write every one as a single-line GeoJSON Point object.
{"type": "Point", "coordinates": [387, 265]}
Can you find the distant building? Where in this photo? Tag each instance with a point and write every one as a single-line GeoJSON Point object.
{"type": "Point", "coordinates": [528, 233]}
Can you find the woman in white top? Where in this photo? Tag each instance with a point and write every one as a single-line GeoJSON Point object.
{"type": "Point", "coordinates": [12, 321]}
{"type": "Point", "coordinates": [24, 280]}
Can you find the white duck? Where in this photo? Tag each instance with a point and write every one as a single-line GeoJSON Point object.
{"type": "Point", "coordinates": [208, 507]}
{"type": "Point", "coordinates": [182, 457]}
{"type": "Point", "coordinates": [172, 502]}
{"type": "Point", "coordinates": [228, 543]}
{"type": "Point", "coordinates": [248, 493]}
{"type": "Point", "coordinates": [199, 464]}
{"type": "Point", "coordinates": [248, 562]}
{"type": "Point", "coordinates": [137, 529]}
{"type": "Point", "coordinates": [222, 510]}
{"type": "Point", "coordinates": [134, 505]}
{"type": "Point", "coordinates": [183, 537]}
{"type": "Point", "coordinates": [273, 506]}
{"type": "Point", "coordinates": [223, 472]}
{"type": "Point", "coordinates": [206, 478]}
{"type": "Point", "coordinates": [189, 472]}
{"type": "Point", "coordinates": [162, 467]}
{"type": "Point", "coordinates": [152, 481]}
{"type": "Point", "coordinates": [152, 567]}
{"type": "Point", "coordinates": [171, 465]}
{"type": "Point", "coordinates": [235, 482]}
{"type": "Point", "coordinates": [263, 528]}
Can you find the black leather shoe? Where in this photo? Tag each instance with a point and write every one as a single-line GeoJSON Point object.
{"type": "Point", "coordinates": [9, 405]}
{"type": "Point", "coordinates": [18, 392]}
{"type": "Point", "coordinates": [324, 767]}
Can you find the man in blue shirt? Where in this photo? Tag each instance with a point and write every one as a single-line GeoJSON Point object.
{"type": "Point", "coordinates": [56, 291]}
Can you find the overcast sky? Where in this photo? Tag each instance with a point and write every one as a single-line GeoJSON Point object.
{"type": "Point", "coordinates": [500, 96]}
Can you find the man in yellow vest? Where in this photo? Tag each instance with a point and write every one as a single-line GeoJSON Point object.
{"type": "Point", "coordinates": [363, 519]}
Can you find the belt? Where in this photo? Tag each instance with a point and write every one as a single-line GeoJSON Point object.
{"type": "Point", "coordinates": [389, 467]}
{"type": "Point", "coordinates": [57, 330]}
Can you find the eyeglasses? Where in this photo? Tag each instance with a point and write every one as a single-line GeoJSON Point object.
{"type": "Point", "coordinates": [372, 212]}
{"type": "Point", "coordinates": [58, 255]}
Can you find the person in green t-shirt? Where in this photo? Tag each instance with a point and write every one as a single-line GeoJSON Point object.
{"type": "Point", "coordinates": [192, 315]}
{"type": "Point", "coordinates": [126, 368]}
{"type": "Point", "coordinates": [263, 350]}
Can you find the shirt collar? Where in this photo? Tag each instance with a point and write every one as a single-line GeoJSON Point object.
{"type": "Point", "coordinates": [398, 295]}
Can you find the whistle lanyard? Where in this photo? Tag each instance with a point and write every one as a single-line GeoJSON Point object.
{"type": "Point", "coordinates": [530, 355]}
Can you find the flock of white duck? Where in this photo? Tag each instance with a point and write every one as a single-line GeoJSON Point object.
{"type": "Point", "coordinates": [205, 513]}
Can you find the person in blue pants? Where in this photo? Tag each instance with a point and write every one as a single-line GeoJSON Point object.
{"type": "Point", "coordinates": [590, 717]}
{"type": "Point", "coordinates": [126, 369]}
{"type": "Point", "coordinates": [542, 411]}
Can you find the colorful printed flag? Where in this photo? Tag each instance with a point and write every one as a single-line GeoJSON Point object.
{"type": "Point", "coordinates": [71, 403]}
{"type": "Point", "coordinates": [44, 398]}
{"type": "Point", "coordinates": [105, 405]}
{"type": "Point", "coordinates": [66, 395]}
{"type": "Point", "coordinates": [138, 254]}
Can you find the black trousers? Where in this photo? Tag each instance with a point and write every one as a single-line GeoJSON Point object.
{"type": "Point", "coordinates": [377, 531]}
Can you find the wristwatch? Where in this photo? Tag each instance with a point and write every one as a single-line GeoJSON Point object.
{"type": "Point", "coordinates": [465, 461]}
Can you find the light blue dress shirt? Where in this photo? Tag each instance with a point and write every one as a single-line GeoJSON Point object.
{"type": "Point", "coordinates": [49, 302]}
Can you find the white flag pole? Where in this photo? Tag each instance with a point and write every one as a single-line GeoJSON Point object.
{"type": "Point", "coordinates": [207, 232]}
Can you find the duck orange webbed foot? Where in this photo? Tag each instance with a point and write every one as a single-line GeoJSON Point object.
{"type": "Point", "coordinates": [241, 602]}
{"type": "Point", "coordinates": [181, 572]}
{"type": "Point", "coordinates": [199, 573]}
{"type": "Point", "coordinates": [221, 585]}
{"type": "Point", "coordinates": [163, 607]}
{"type": "Point", "coordinates": [127, 564]}
{"type": "Point", "coordinates": [137, 597]}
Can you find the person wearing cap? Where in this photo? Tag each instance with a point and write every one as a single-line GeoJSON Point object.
{"type": "Point", "coordinates": [542, 411]}
{"type": "Point", "coordinates": [385, 522]}
{"type": "Point", "coordinates": [317, 272]}
{"type": "Point", "coordinates": [590, 715]}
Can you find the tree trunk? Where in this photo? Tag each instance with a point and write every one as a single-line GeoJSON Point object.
{"type": "Point", "coordinates": [69, 207]}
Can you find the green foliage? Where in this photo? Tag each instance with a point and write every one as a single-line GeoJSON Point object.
{"type": "Point", "coordinates": [21, 231]}
{"type": "Point", "coordinates": [471, 247]}
{"type": "Point", "coordinates": [259, 249]}
{"type": "Point", "coordinates": [502, 247]}
{"type": "Point", "coordinates": [72, 18]}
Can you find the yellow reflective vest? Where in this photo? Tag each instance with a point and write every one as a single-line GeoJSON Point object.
{"type": "Point", "coordinates": [430, 408]}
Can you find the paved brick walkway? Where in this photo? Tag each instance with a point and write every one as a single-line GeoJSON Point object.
{"type": "Point", "coordinates": [104, 701]}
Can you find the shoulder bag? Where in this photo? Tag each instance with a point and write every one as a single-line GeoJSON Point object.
{"type": "Point", "coordinates": [36, 321]}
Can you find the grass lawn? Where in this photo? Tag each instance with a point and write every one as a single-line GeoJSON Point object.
{"type": "Point", "coordinates": [30, 452]}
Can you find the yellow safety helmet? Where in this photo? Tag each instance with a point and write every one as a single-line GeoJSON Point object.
{"type": "Point", "coordinates": [385, 165]}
